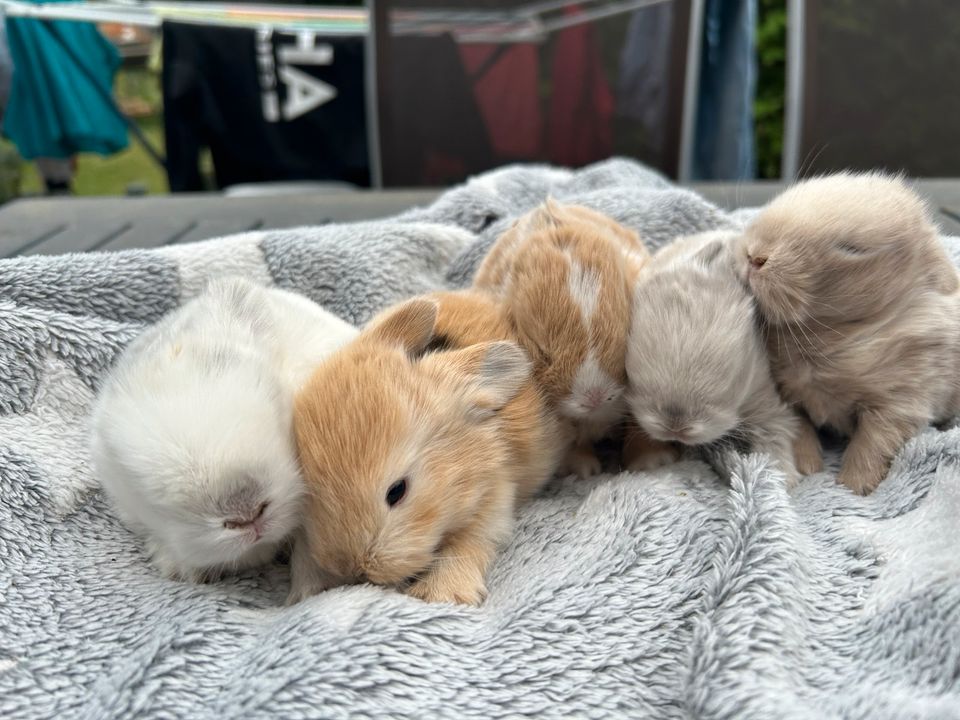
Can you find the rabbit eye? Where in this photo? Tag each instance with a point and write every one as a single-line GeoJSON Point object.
{"type": "Point", "coordinates": [396, 492]}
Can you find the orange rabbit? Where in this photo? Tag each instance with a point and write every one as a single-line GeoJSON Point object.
{"type": "Point", "coordinates": [417, 440]}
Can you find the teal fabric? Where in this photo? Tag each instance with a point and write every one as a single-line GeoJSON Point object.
{"type": "Point", "coordinates": [56, 109]}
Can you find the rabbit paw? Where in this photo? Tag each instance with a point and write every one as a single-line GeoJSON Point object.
{"type": "Point", "coordinates": [305, 582]}
{"type": "Point", "coordinates": [306, 578]}
{"type": "Point", "coordinates": [298, 593]}
{"type": "Point", "coordinates": [583, 464]}
{"type": "Point", "coordinates": [653, 458]}
{"type": "Point", "coordinates": [172, 570]}
{"type": "Point", "coordinates": [449, 587]}
{"type": "Point", "coordinates": [861, 481]}
{"type": "Point", "coordinates": [807, 453]}
{"type": "Point", "coordinates": [808, 459]}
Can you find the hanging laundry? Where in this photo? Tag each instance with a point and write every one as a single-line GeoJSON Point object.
{"type": "Point", "coordinates": [61, 93]}
{"type": "Point", "coordinates": [643, 88]}
{"type": "Point", "coordinates": [270, 106]}
{"type": "Point", "coordinates": [724, 145]}
{"type": "Point", "coordinates": [505, 80]}
{"type": "Point", "coordinates": [431, 129]}
{"type": "Point", "coordinates": [580, 125]}
{"type": "Point", "coordinates": [6, 69]}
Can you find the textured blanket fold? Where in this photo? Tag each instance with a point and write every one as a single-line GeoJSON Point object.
{"type": "Point", "coordinates": [666, 594]}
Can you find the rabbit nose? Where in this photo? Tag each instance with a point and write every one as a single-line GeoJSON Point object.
{"type": "Point", "coordinates": [595, 398]}
{"type": "Point", "coordinates": [757, 261]}
{"type": "Point", "coordinates": [254, 520]}
{"type": "Point", "coordinates": [676, 423]}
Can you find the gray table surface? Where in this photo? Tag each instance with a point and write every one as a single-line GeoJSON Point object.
{"type": "Point", "coordinates": [57, 225]}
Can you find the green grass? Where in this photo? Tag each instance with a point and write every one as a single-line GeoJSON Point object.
{"type": "Point", "coordinates": [112, 175]}
{"type": "Point", "coordinates": [768, 107]}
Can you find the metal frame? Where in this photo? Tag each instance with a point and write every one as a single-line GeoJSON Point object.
{"type": "Point", "coordinates": [678, 152]}
{"type": "Point", "coordinates": [793, 110]}
{"type": "Point", "coordinates": [682, 83]}
{"type": "Point", "coordinates": [691, 87]}
{"type": "Point", "coordinates": [371, 92]}
{"type": "Point", "coordinates": [329, 20]}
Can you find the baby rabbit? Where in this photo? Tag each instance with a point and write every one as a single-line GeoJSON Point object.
{"type": "Point", "coordinates": [698, 369]}
{"type": "Point", "coordinates": [192, 436]}
{"type": "Point", "coordinates": [414, 459]}
{"type": "Point", "coordinates": [565, 275]}
{"type": "Point", "coordinates": [861, 303]}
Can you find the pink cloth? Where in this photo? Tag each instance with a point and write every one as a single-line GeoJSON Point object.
{"type": "Point", "coordinates": [507, 94]}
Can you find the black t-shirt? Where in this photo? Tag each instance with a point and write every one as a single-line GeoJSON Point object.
{"type": "Point", "coordinates": [271, 106]}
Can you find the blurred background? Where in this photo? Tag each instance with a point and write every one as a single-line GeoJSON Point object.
{"type": "Point", "coordinates": [133, 98]}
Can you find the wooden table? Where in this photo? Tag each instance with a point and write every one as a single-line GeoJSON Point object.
{"type": "Point", "coordinates": [51, 226]}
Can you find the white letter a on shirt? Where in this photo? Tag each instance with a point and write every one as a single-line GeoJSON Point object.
{"type": "Point", "coordinates": [304, 92]}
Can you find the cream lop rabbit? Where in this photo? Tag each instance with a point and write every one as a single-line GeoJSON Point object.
{"type": "Point", "coordinates": [861, 304]}
{"type": "Point", "coordinates": [699, 372]}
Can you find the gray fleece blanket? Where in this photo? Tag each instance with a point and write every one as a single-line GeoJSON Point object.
{"type": "Point", "coordinates": [668, 594]}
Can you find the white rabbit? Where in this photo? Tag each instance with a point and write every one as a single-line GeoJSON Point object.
{"type": "Point", "coordinates": [192, 431]}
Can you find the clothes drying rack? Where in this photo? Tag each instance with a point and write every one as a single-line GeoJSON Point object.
{"type": "Point", "coordinates": [533, 22]}
{"type": "Point", "coordinates": [529, 23]}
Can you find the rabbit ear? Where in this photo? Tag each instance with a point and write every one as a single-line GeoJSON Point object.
{"type": "Point", "coordinates": [712, 253]}
{"type": "Point", "coordinates": [552, 209]}
{"type": "Point", "coordinates": [244, 299]}
{"type": "Point", "coordinates": [410, 325]}
{"type": "Point", "coordinates": [543, 217]}
{"type": "Point", "coordinates": [494, 373]}
{"type": "Point", "coordinates": [504, 368]}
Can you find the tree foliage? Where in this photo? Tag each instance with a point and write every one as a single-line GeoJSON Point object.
{"type": "Point", "coordinates": [771, 82]}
